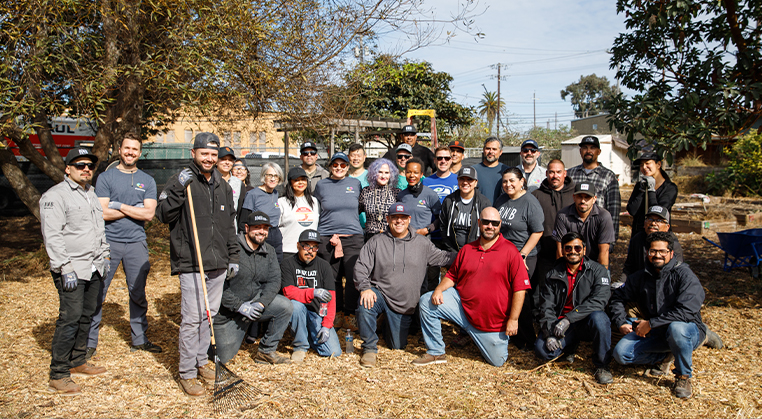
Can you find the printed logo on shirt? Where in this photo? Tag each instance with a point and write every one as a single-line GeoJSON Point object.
{"type": "Point", "coordinates": [222, 208]}
{"type": "Point", "coordinates": [306, 279]}
{"type": "Point", "coordinates": [526, 282]}
{"type": "Point", "coordinates": [350, 189]}
{"type": "Point", "coordinates": [422, 203]}
{"type": "Point", "coordinates": [140, 186]}
{"type": "Point", "coordinates": [604, 280]}
{"type": "Point", "coordinates": [48, 205]}
{"type": "Point", "coordinates": [305, 216]}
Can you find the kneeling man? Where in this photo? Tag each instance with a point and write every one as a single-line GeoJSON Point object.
{"type": "Point", "coordinates": [572, 308]}
{"type": "Point", "coordinates": [252, 295]}
{"type": "Point", "coordinates": [309, 283]}
{"type": "Point", "coordinates": [669, 297]}
{"type": "Point", "coordinates": [483, 293]}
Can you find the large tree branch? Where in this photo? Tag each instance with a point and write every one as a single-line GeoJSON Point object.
{"type": "Point", "coordinates": [20, 183]}
{"type": "Point", "coordinates": [26, 148]}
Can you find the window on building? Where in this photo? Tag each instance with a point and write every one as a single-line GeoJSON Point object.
{"type": "Point", "coordinates": [170, 136]}
{"type": "Point", "coordinates": [188, 136]}
{"type": "Point", "coordinates": [595, 127]}
{"type": "Point", "coordinates": [262, 141]}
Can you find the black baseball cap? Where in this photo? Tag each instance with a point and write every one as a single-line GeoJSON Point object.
{"type": "Point", "coordinates": [257, 218]}
{"type": "Point", "coordinates": [590, 139]}
{"type": "Point", "coordinates": [585, 188]}
{"type": "Point", "coordinates": [469, 172]}
{"type": "Point", "coordinates": [309, 235]}
{"type": "Point", "coordinates": [648, 155]}
{"type": "Point", "coordinates": [408, 129]}
{"type": "Point", "coordinates": [226, 151]}
{"type": "Point", "coordinates": [306, 145]}
{"type": "Point", "coordinates": [659, 211]}
{"type": "Point", "coordinates": [206, 140]}
{"type": "Point", "coordinates": [78, 152]}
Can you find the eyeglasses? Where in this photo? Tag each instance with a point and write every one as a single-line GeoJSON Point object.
{"type": "Point", "coordinates": [577, 248]}
{"type": "Point", "coordinates": [309, 153]}
{"type": "Point", "coordinates": [529, 150]}
{"type": "Point", "coordinates": [337, 165]}
{"type": "Point", "coordinates": [656, 220]}
{"type": "Point", "coordinates": [403, 156]}
{"type": "Point", "coordinates": [486, 222]}
{"type": "Point", "coordinates": [309, 247]}
{"type": "Point", "coordinates": [271, 176]}
{"type": "Point", "coordinates": [445, 158]}
{"type": "Point", "coordinates": [660, 252]}
{"type": "Point", "coordinates": [82, 165]}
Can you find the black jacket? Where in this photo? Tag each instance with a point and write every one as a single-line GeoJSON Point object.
{"type": "Point", "coordinates": [215, 218]}
{"type": "Point", "coordinates": [637, 252]}
{"type": "Point", "coordinates": [672, 295]}
{"type": "Point", "coordinates": [450, 212]}
{"type": "Point", "coordinates": [592, 290]}
{"type": "Point", "coordinates": [551, 202]}
{"type": "Point", "coordinates": [664, 197]}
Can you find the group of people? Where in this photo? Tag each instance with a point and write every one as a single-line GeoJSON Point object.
{"type": "Point", "coordinates": [526, 248]}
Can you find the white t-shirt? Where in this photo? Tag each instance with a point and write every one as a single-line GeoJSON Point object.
{"type": "Point", "coordinates": [294, 220]}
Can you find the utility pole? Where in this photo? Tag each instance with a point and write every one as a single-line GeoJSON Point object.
{"type": "Point", "coordinates": [534, 109]}
{"type": "Point", "coordinates": [555, 125]}
{"type": "Point", "coordinates": [499, 77]}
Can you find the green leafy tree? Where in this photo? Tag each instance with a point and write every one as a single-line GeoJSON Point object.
{"type": "Point", "coordinates": [744, 174]}
{"type": "Point", "coordinates": [696, 66]}
{"type": "Point", "coordinates": [490, 108]}
{"type": "Point", "coordinates": [590, 95]}
{"type": "Point", "coordinates": [549, 138]}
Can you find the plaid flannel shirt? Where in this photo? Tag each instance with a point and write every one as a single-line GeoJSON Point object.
{"type": "Point", "coordinates": [607, 187]}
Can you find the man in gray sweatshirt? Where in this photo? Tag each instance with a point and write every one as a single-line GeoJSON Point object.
{"type": "Point", "coordinates": [389, 274]}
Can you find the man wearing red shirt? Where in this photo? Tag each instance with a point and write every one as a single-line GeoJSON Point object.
{"type": "Point", "coordinates": [572, 308]}
{"type": "Point", "coordinates": [482, 293]}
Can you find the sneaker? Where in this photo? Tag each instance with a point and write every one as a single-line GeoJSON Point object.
{"type": "Point", "coordinates": [368, 359]}
{"type": "Point", "coordinates": [86, 370]}
{"type": "Point", "coordinates": [662, 368]}
{"type": "Point", "coordinates": [90, 353]}
{"type": "Point", "coordinates": [148, 347]}
{"type": "Point", "coordinates": [207, 373]}
{"type": "Point", "coordinates": [350, 322]}
{"type": "Point", "coordinates": [298, 357]}
{"type": "Point", "coordinates": [682, 388]}
{"type": "Point", "coordinates": [603, 376]}
{"type": "Point", "coordinates": [713, 340]}
{"type": "Point", "coordinates": [192, 387]}
{"type": "Point", "coordinates": [65, 387]}
{"type": "Point", "coordinates": [428, 359]}
{"type": "Point", "coordinates": [271, 358]}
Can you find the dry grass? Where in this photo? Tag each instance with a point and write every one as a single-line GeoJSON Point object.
{"type": "Point", "coordinates": [692, 160]}
{"type": "Point", "coordinates": [727, 382]}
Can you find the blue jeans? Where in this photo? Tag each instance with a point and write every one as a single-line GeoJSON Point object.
{"type": "Point", "coordinates": [306, 324]}
{"type": "Point", "coordinates": [492, 345]}
{"type": "Point", "coordinates": [396, 327]}
{"type": "Point", "coordinates": [595, 328]}
{"type": "Point", "coordinates": [679, 338]}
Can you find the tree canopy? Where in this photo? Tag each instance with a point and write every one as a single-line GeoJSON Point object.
{"type": "Point", "coordinates": [590, 95]}
{"type": "Point", "coordinates": [697, 69]}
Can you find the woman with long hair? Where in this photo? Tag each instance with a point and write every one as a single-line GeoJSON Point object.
{"type": "Point", "coordinates": [380, 193]}
{"type": "Point", "coordinates": [299, 210]}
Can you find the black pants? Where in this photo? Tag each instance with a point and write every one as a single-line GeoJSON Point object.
{"type": "Point", "coordinates": [75, 311]}
{"type": "Point", "coordinates": [347, 295]}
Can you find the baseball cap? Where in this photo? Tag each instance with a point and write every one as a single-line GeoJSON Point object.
{"type": "Point", "coordinates": [457, 144]}
{"type": "Point", "coordinates": [660, 211]}
{"type": "Point", "coordinates": [585, 188]}
{"type": "Point", "coordinates": [649, 155]}
{"type": "Point", "coordinates": [590, 139]}
{"type": "Point", "coordinates": [226, 151]}
{"type": "Point", "coordinates": [309, 235]}
{"type": "Point", "coordinates": [308, 144]}
{"type": "Point", "coordinates": [78, 152]}
{"type": "Point", "coordinates": [398, 208]}
{"type": "Point", "coordinates": [468, 172]}
{"type": "Point", "coordinates": [405, 147]}
{"type": "Point", "coordinates": [408, 129]}
{"type": "Point", "coordinates": [339, 156]}
{"type": "Point", "coordinates": [257, 218]}
{"type": "Point", "coordinates": [204, 139]}
{"type": "Point", "coordinates": [531, 142]}
{"type": "Point", "coordinates": [296, 172]}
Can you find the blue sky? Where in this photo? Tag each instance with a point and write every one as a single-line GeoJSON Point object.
{"type": "Point", "coordinates": [544, 46]}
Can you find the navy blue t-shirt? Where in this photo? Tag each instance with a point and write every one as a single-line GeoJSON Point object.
{"type": "Point", "coordinates": [130, 189]}
{"type": "Point", "coordinates": [259, 200]}
{"type": "Point", "coordinates": [339, 206]}
{"type": "Point", "coordinates": [491, 180]}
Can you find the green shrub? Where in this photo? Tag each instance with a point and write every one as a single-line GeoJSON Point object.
{"type": "Point", "coordinates": [744, 174]}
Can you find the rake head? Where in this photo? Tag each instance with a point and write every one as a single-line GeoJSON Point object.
{"type": "Point", "coordinates": [232, 392]}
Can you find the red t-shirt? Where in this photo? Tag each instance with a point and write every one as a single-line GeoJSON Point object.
{"type": "Point", "coordinates": [572, 278]}
{"type": "Point", "coordinates": [486, 281]}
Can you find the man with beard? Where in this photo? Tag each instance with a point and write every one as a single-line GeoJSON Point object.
{"type": "Point", "coordinates": [128, 197]}
{"type": "Point", "coordinates": [409, 136]}
{"type": "Point", "coordinates": [215, 220]}
{"type": "Point", "coordinates": [490, 170]}
{"type": "Point", "coordinates": [669, 297]}
{"type": "Point", "coordinates": [604, 180]}
{"type": "Point", "coordinates": [534, 174]}
{"type": "Point", "coordinates": [483, 293]}
{"type": "Point", "coordinates": [308, 156]}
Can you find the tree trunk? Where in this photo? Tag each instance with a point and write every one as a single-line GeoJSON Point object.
{"type": "Point", "coordinates": [46, 140]}
{"type": "Point", "coordinates": [27, 150]}
{"type": "Point", "coordinates": [28, 194]}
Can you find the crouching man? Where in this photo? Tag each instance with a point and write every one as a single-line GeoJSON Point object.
{"type": "Point", "coordinates": [252, 295]}
{"type": "Point", "coordinates": [389, 274]}
{"type": "Point", "coordinates": [309, 283]}
{"type": "Point", "coordinates": [483, 293]}
{"type": "Point", "coordinates": [669, 297]}
{"type": "Point", "coordinates": [572, 308]}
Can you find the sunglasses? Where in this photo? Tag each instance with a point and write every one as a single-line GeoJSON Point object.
{"type": "Point", "coordinates": [486, 222]}
{"type": "Point", "coordinates": [81, 165]}
{"type": "Point", "coordinates": [577, 248]}
{"type": "Point", "coordinates": [445, 158]}
{"type": "Point", "coordinates": [337, 165]}
{"type": "Point", "coordinates": [309, 153]}
{"type": "Point", "coordinates": [529, 150]}
{"type": "Point", "coordinates": [403, 156]}
{"type": "Point", "coordinates": [309, 247]}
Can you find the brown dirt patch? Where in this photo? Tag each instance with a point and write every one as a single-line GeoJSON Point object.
{"type": "Point", "coordinates": [727, 381]}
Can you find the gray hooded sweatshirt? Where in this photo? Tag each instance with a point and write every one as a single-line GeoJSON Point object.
{"type": "Point", "coordinates": [397, 267]}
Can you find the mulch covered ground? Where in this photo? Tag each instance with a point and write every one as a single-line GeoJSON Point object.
{"type": "Point", "coordinates": [728, 382]}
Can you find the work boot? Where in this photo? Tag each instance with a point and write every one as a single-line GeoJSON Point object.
{"type": "Point", "coordinates": [566, 359]}
{"type": "Point", "coordinates": [89, 354]}
{"type": "Point", "coordinates": [207, 373]}
{"type": "Point", "coordinates": [64, 386]}
{"type": "Point", "coordinates": [603, 376]}
{"type": "Point", "coordinates": [298, 357]}
{"type": "Point", "coordinates": [662, 368]}
{"type": "Point", "coordinates": [682, 388]}
{"type": "Point", "coordinates": [368, 359]}
{"type": "Point", "coordinates": [148, 347]}
{"type": "Point", "coordinates": [87, 370]}
{"type": "Point", "coordinates": [271, 358]}
{"type": "Point", "coordinates": [428, 359]}
{"type": "Point", "coordinates": [192, 387]}
{"type": "Point", "coordinates": [712, 340]}
{"type": "Point", "coordinates": [338, 321]}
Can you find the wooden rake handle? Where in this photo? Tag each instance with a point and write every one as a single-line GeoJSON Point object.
{"type": "Point", "coordinates": [200, 261]}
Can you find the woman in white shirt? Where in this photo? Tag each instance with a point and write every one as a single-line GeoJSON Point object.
{"type": "Point", "coordinates": [298, 208]}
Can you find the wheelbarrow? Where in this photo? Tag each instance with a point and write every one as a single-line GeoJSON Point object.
{"type": "Point", "coordinates": [742, 249]}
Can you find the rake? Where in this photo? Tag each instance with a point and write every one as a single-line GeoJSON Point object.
{"type": "Point", "coordinates": [230, 390]}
